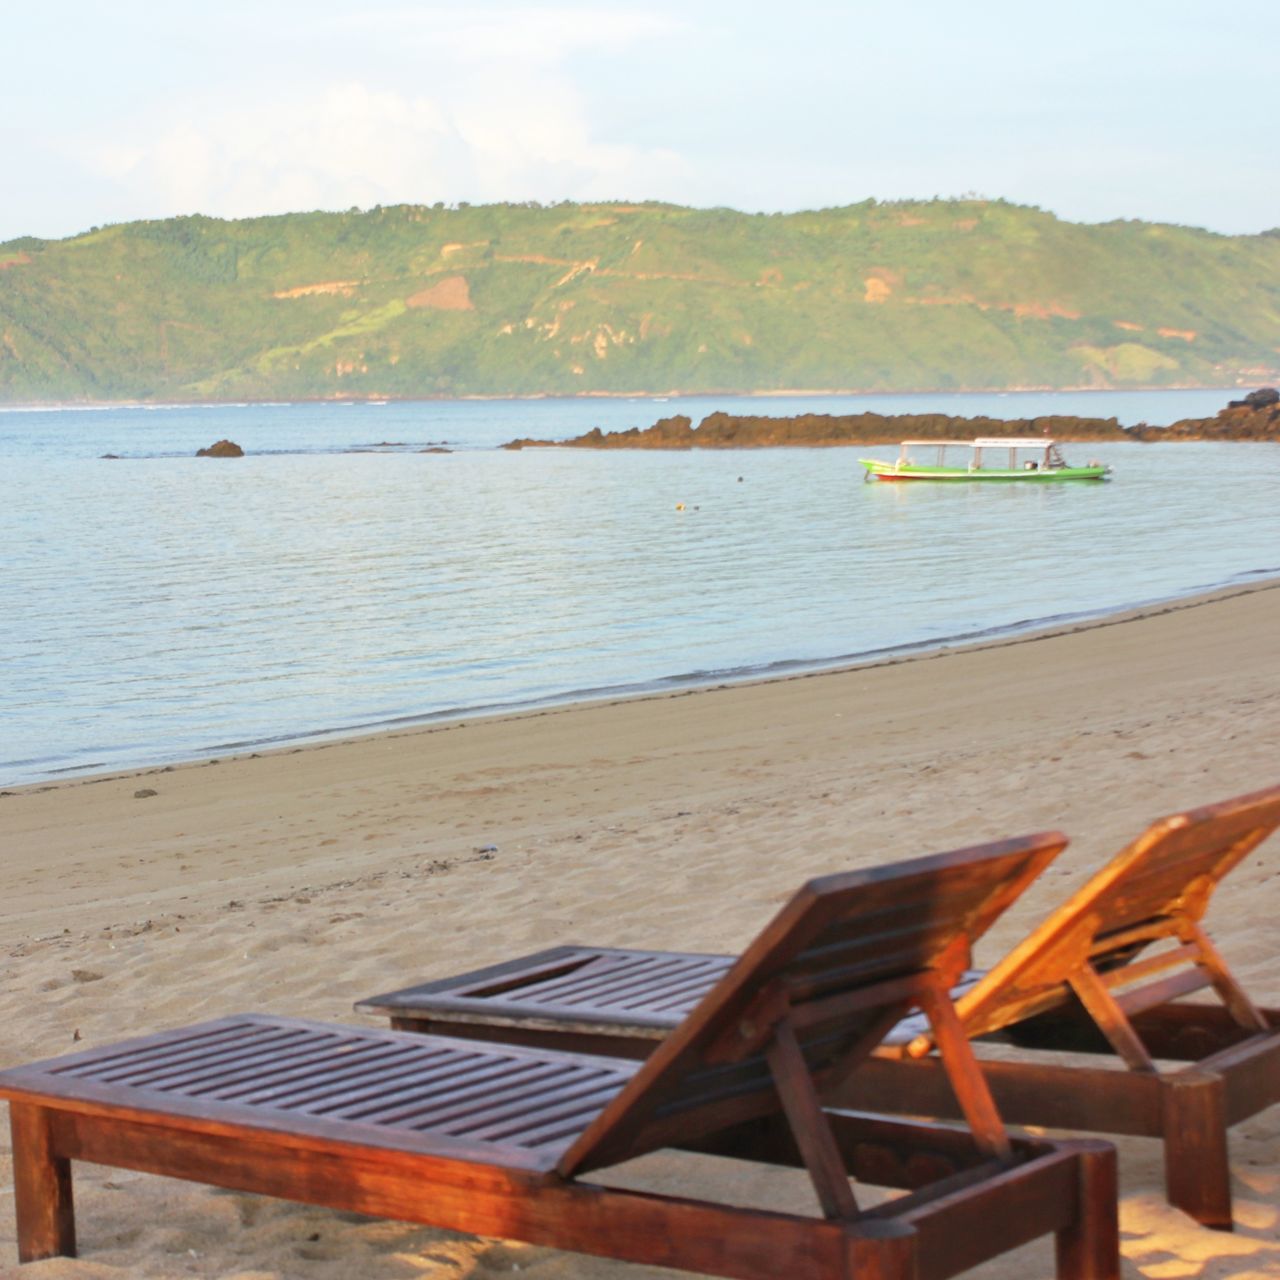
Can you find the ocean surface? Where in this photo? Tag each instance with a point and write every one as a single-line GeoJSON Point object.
{"type": "Point", "coordinates": [161, 607]}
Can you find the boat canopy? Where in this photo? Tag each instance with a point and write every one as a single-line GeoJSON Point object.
{"type": "Point", "coordinates": [983, 442]}
{"type": "Point", "coordinates": [1012, 442]}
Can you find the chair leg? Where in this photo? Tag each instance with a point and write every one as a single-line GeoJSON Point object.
{"type": "Point", "coordinates": [880, 1251]}
{"type": "Point", "coordinates": [1197, 1170]}
{"type": "Point", "coordinates": [1090, 1249]}
{"type": "Point", "coordinates": [41, 1187]}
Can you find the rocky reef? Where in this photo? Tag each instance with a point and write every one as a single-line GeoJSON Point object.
{"type": "Point", "coordinates": [820, 430]}
{"type": "Point", "coordinates": [1256, 417]}
{"type": "Point", "coordinates": [222, 449]}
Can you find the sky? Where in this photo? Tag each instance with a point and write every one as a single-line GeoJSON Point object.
{"type": "Point", "coordinates": [113, 110]}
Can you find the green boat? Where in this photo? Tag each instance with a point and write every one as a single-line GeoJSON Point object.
{"type": "Point", "coordinates": [1034, 458]}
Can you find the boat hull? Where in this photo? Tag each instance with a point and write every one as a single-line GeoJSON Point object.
{"type": "Point", "coordinates": [889, 471]}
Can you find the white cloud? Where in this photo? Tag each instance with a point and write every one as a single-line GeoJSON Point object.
{"type": "Point", "coordinates": [478, 109]}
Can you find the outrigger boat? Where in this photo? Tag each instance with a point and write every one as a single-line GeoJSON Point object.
{"type": "Point", "coordinates": [1040, 460]}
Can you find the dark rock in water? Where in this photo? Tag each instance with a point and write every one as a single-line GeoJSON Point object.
{"type": "Point", "coordinates": [115, 457]}
{"type": "Point", "coordinates": [1263, 398]}
{"type": "Point", "coordinates": [223, 449]}
{"type": "Point", "coordinates": [1256, 417]}
{"type": "Point", "coordinates": [436, 448]}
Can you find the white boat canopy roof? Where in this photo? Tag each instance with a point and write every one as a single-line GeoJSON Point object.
{"type": "Point", "coordinates": [1013, 442]}
{"type": "Point", "coordinates": [991, 442]}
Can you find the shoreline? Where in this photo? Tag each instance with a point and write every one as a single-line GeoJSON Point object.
{"type": "Point", "coordinates": [185, 831]}
{"type": "Point", "coordinates": [782, 670]}
{"type": "Point", "coordinates": [668, 686]}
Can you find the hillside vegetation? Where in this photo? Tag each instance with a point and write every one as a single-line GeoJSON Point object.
{"type": "Point", "coordinates": [522, 299]}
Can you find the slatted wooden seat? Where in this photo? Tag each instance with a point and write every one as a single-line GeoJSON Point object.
{"type": "Point", "coordinates": [497, 1138]}
{"type": "Point", "coordinates": [610, 1000]}
{"type": "Point", "coordinates": [1103, 974]}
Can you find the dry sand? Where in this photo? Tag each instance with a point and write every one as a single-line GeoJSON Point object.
{"type": "Point", "coordinates": [302, 880]}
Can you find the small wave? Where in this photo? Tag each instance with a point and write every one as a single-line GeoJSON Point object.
{"type": "Point", "coordinates": [700, 678]}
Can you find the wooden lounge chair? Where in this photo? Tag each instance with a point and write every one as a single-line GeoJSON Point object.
{"type": "Point", "coordinates": [496, 1139]}
{"type": "Point", "coordinates": [1082, 981]}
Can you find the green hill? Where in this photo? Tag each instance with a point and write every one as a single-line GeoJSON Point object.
{"type": "Point", "coordinates": [524, 299]}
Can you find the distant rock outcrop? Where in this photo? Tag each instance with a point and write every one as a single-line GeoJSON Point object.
{"type": "Point", "coordinates": [1256, 417]}
{"type": "Point", "coordinates": [223, 449]}
{"type": "Point", "coordinates": [1263, 398]}
{"type": "Point", "coordinates": [820, 430]}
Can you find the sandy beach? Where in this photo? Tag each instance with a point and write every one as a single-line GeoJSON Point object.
{"type": "Point", "coordinates": [301, 880]}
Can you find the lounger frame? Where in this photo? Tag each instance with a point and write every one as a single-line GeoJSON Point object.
{"type": "Point", "coordinates": [1105, 975]}
{"type": "Point", "coordinates": [970, 1214]}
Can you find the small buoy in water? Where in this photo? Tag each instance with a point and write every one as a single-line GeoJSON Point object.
{"type": "Point", "coordinates": [679, 506]}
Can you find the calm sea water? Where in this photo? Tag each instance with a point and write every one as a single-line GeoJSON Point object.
{"type": "Point", "coordinates": [163, 607]}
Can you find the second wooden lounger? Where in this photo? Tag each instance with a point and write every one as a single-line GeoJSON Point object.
{"type": "Point", "coordinates": [1102, 975]}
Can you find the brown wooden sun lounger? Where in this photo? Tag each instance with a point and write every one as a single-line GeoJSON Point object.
{"type": "Point", "coordinates": [497, 1139]}
{"type": "Point", "coordinates": [1102, 975]}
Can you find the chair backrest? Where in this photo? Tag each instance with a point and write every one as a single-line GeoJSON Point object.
{"type": "Point", "coordinates": [841, 962]}
{"type": "Point", "coordinates": [1157, 888]}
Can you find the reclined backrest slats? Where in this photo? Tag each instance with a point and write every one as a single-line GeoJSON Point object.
{"type": "Point", "coordinates": [841, 934]}
{"type": "Point", "coordinates": [1165, 877]}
